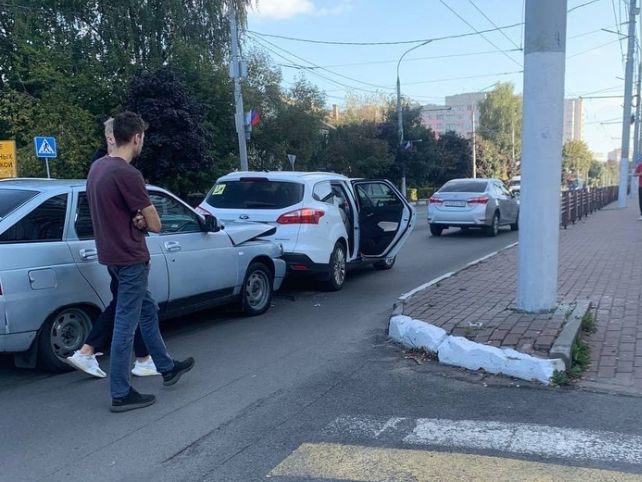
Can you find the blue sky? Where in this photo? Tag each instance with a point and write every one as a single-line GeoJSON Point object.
{"type": "Point", "coordinates": [444, 67]}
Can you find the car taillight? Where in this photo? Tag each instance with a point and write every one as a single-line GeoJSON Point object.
{"type": "Point", "coordinates": [435, 200]}
{"type": "Point", "coordinates": [202, 211]}
{"type": "Point", "coordinates": [478, 200]}
{"type": "Point", "coordinates": [301, 216]}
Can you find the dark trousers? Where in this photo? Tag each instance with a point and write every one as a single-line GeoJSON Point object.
{"type": "Point", "coordinates": [103, 328]}
{"type": "Point", "coordinates": [640, 199]}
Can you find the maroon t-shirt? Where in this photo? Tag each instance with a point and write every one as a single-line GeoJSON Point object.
{"type": "Point", "coordinates": [116, 192]}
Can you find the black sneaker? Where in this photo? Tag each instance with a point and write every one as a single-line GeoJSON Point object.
{"type": "Point", "coordinates": [132, 401]}
{"type": "Point", "coordinates": [180, 367]}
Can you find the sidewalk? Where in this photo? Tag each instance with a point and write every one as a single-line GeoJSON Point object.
{"type": "Point", "coordinates": [600, 262]}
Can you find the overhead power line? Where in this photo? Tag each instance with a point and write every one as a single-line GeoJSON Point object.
{"type": "Point", "coordinates": [480, 33]}
{"type": "Point", "coordinates": [398, 42]}
{"type": "Point", "coordinates": [493, 24]}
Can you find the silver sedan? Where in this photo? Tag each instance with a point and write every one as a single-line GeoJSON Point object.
{"type": "Point", "coordinates": [52, 287]}
{"type": "Point", "coordinates": [473, 203]}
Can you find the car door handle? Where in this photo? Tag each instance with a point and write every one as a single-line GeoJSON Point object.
{"type": "Point", "coordinates": [172, 246]}
{"type": "Point", "coordinates": [88, 254]}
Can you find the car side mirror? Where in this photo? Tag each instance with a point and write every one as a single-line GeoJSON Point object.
{"type": "Point", "coordinates": [211, 224]}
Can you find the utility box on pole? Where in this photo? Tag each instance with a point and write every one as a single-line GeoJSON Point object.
{"type": "Point", "coordinates": [543, 127]}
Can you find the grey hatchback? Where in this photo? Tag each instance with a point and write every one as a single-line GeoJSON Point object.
{"type": "Point", "coordinates": [52, 287]}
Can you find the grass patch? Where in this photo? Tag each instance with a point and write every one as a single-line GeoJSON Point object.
{"type": "Point", "coordinates": [580, 355]}
{"type": "Point", "coordinates": [589, 323]}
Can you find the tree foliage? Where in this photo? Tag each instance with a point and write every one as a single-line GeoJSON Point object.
{"type": "Point", "coordinates": [500, 124]}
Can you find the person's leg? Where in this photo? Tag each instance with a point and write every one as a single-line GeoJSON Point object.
{"type": "Point", "coordinates": [103, 327]}
{"type": "Point", "coordinates": [640, 199]}
{"type": "Point", "coordinates": [152, 336]}
{"type": "Point", "coordinates": [132, 286]}
{"type": "Point", "coordinates": [140, 349]}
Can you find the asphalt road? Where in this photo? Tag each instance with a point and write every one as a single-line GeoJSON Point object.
{"type": "Point", "coordinates": [263, 386]}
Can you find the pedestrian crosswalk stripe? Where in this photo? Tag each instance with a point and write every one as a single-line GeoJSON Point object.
{"type": "Point", "coordinates": [372, 464]}
{"type": "Point", "coordinates": [516, 438]}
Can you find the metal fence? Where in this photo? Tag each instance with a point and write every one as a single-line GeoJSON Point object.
{"type": "Point", "coordinates": [579, 204]}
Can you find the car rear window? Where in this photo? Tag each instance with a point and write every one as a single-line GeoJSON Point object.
{"type": "Point", "coordinates": [12, 199]}
{"type": "Point", "coordinates": [464, 186]}
{"type": "Point", "coordinates": [255, 193]}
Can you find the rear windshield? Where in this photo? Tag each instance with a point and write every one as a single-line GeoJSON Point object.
{"type": "Point", "coordinates": [255, 194]}
{"type": "Point", "coordinates": [464, 186]}
{"type": "Point", "coordinates": [11, 199]}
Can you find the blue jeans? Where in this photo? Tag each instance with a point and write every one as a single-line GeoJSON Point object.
{"type": "Point", "coordinates": [134, 304]}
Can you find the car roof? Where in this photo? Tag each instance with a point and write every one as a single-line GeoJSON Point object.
{"type": "Point", "coordinates": [482, 179]}
{"type": "Point", "coordinates": [285, 176]}
{"type": "Point", "coordinates": [41, 184]}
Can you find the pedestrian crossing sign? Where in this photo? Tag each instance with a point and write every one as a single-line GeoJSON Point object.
{"type": "Point", "coordinates": [45, 147]}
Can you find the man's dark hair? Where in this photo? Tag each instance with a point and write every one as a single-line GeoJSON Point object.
{"type": "Point", "coordinates": [126, 125]}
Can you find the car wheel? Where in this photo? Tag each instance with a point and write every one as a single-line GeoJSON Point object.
{"type": "Point", "coordinates": [436, 230]}
{"type": "Point", "coordinates": [386, 264]}
{"type": "Point", "coordinates": [515, 225]}
{"type": "Point", "coordinates": [257, 289]}
{"type": "Point", "coordinates": [493, 229]}
{"type": "Point", "coordinates": [337, 269]}
{"type": "Point", "coordinates": [61, 335]}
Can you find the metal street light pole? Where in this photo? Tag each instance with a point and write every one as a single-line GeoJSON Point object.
{"type": "Point", "coordinates": [400, 114]}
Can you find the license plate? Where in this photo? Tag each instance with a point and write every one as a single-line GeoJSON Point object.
{"type": "Point", "coordinates": [455, 204]}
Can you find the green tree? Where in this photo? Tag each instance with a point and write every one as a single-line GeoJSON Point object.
{"type": "Point", "coordinates": [175, 143]}
{"type": "Point", "coordinates": [576, 159]}
{"type": "Point", "coordinates": [500, 122]}
{"type": "Point", "coordinates": [355, 151]}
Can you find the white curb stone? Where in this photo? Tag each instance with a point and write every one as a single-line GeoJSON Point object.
{"type": "Point", "coordinates": [461, 352]}
{"type": "Point", "coordinates": [416, 334]}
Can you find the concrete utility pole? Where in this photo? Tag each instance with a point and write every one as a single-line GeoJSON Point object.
{"type": "Point", "coordinates": [543, 126]}
{"type": "Point", "coordinates": [626, 116]}
{"type": "Point", "coordinates": [236, 73]}
{"type": "Point", "coordinates": [474, 146]}
{"type": "Point", "coordinates": [636, 132]}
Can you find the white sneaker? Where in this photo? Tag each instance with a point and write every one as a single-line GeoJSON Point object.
{"type": "Point", "coordinates": [145, 369]}
{"type": "Point", "coordinates": [86, 363]}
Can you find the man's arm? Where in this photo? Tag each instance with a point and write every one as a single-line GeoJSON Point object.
{"type": "Point", "coordinates": [152, 220]}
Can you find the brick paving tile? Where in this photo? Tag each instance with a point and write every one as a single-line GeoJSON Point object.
{"type": "Point", "coordinates": [591, 268]}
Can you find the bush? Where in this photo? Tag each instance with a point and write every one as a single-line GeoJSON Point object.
{"type": "Point", "coordinates": [426, 192]}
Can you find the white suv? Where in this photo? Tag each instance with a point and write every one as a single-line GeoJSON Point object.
{"type": "Point", "coordinates": [324, 221]}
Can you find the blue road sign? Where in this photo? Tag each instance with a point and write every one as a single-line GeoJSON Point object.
{"type": "Point", "coordinates": [45, 147]}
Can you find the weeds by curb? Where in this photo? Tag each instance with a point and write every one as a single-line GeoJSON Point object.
{"type": "Point", "coordinates": [580, 354]}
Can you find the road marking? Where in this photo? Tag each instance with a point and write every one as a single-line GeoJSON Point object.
{"type": "Point", "coordinates": [515, 438]}
{"type": "Point", "coordinates": [370, 464]}
{"type": "Point", "coordinates": [434, 281]}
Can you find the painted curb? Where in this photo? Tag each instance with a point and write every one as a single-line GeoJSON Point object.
{"type": "Point", "coordinates": [563, 345]}
{"type": "Point", "coordinates": [461, 352]}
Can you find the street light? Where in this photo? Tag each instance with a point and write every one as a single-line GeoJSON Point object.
{"type": "Point", "coordinates": [400, 115]}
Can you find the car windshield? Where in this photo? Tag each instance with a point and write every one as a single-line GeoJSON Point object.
{"type": "Point", "coordinates": [514, 183]}
{"type": "Point", "coordinates": [464, 186]}
{"type": "Point", "coordinates": [11, 199]}
{"type": "Point", "coordinates": [255, 193]}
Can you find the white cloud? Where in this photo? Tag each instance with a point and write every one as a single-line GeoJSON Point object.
{"type": "Point", "coordinates": [285, 9]}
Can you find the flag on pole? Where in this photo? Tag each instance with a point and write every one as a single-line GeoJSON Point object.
{"type": "Point", "coordinates": [252, 118]}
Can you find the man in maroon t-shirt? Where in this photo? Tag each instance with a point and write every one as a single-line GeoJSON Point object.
{"type": "Point", "coordinates": [116, 193]}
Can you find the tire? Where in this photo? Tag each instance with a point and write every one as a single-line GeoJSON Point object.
{"type": "Point", "coordinates": [436, 230]}
{"type": "Point", "coordinates": [515, 225]}
{"type": "Point", "coordinates": [493, 229]}
{"type": "Point", "coordinates": [61, 335]}
{"type": "Point", "coordinates": [386, 264]}
{"type": "Point", "coordinates": [257, 289]}
{"type": "Point", "coordinates": [336, 277]}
